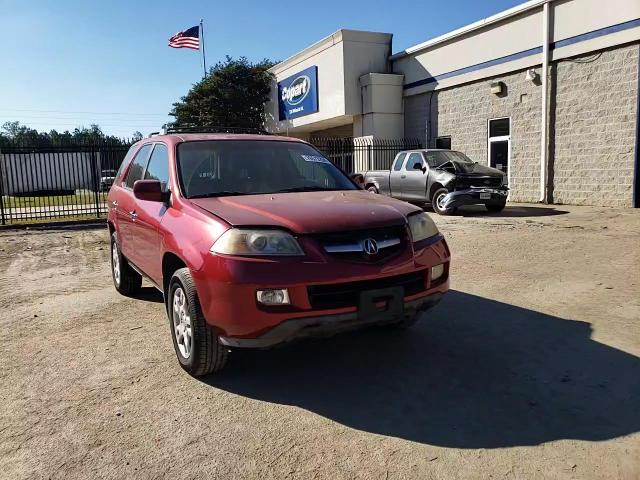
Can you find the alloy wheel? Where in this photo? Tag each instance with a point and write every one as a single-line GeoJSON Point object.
{"type": "Point", "coordinates": [115, 263]}
{"type": "Point", "coordinates": [182, 323]}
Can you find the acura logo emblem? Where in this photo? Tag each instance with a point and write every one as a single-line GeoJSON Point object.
{"type": "Point", "coordinates": [370, 246]}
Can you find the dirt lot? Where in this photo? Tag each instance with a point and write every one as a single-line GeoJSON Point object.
{"type": "Point", "coordinates": [528, 369]}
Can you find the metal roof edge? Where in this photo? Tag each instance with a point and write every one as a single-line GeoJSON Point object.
{"type": "Point", "coordinates": [498, 17]}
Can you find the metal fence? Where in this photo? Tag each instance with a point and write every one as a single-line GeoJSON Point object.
{"type": "Point", "coordinates": [364, 153]}
{"type": "Point", "coordinates": [65, 182]}
{"type": "Point", "coordinates": [56, 182]}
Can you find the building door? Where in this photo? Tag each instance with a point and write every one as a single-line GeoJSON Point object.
{"type": "Point", "coordinates": [499, 148]}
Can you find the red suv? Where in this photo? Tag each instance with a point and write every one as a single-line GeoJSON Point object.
{"type": "Point", "coordinates": [256, 240]}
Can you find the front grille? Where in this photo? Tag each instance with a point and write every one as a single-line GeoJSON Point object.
{"type": "Point", "coordinates": [485, 182]}
{"type": "Point", "coordinates": [353, 237]}
{"type": "Point", "coordinates": [341, 295]}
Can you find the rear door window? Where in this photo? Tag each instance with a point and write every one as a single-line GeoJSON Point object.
{"type": "Point", "coordinates": [125, 161]}
{"type": "Point", "coordinates": [137, 166]}
{"type": "Point", "coordinates": [158, 168]}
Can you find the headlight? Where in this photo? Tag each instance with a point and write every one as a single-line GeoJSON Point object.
{"type": "Point", "coordinates": [238, 241]}
{"type": "Point", "coordinates": [422, 227]}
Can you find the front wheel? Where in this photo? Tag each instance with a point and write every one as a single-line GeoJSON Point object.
{"type": "Point", "coordinates": [437, 202]}
{"type": "Point", "coordinates": [197, 346]}
{"type": "Point", "coordinates": [496, 207]}
{"type": "Point", "coordinates": [372, 189]}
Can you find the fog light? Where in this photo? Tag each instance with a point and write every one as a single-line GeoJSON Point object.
{"type": "Point", "coordinates": [437, 271]}
{"type": "Point", "coordinates": [274, 296]}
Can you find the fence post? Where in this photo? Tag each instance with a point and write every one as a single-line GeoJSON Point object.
{"type": "Point", "coordinates": [369, 157]}
{"type": "Point", "coordinates": [2, 219]}
{"type": "Point", "coordinates": [94, 176]}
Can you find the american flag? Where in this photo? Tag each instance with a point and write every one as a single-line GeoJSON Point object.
{"type": "Point", "coordinates": [190, 38]}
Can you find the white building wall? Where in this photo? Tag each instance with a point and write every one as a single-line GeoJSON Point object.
{"type": "Point", "coordinates": [342, 58]}
{"type": "Point", "coordinates": [508, 41]}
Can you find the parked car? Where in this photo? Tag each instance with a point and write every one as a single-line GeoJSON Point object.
{"type": "Point", "coordinates": [106, 179]}
{"type": "Point", "coordinates": [444, 178]}
{"type": "Point", "coordinates": [256, 240]}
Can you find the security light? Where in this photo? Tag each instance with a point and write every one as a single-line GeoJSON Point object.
{"type": "Point", "coordinates": [531, 75]}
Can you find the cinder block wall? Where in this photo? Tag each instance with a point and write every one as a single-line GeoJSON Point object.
{"type": "Point", "coordinates": [595, 106]}
{"type": "Point", "coordinates": [593, 103]}
{"type": "Point", "coordinates": [463, 112]}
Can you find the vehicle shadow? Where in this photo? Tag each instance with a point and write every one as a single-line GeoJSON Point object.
{"type": "Point", "coordinates": [509, 212]}
{"type": "Point", "coordinates": [473, 373]}
{"type": "Point", "coordinates": [148, 294]}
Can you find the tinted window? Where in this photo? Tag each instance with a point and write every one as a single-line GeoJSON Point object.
{"type": "Point", "coordinates": [127, 158]}
{"type": "Point", "coordinates": [444, 143]}
{"type": "Point", "coordinates": [499, 128]}
{"type": "Point", "coordinates": [232, 167]}
{"type": "Point", "coordinates": [398, 163]}
{"type": "Point", "coordinates": [137, 166]}
{"type": "Point", "coordinates": [158, 168]}
{"type": "Point", "coordinates": [412, 160]}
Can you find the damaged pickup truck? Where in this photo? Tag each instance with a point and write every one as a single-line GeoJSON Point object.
{"type": "Point", "coordinates": [444, 178]}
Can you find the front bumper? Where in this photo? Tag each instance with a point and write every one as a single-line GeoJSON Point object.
{"type": "Point", "coordinates": [475, 196]}
{"type": "Point", "coordinates": [227, 287]}
{"type": "Point", "coordinates": [327, 325]}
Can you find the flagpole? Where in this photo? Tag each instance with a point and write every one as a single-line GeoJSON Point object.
{"type": "Point", "coordinates": [204, 63]}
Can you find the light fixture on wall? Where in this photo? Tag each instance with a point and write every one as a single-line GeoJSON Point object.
{"type": "Point", "coordinates": [531, 75]}
{"type": "Point", "coordinates": [498, 88]}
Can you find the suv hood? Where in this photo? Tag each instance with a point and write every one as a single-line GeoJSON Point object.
{"type": "Point", "coordinates": [309, 212]}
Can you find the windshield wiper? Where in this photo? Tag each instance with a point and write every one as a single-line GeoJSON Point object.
{"type": "Point", "coordinates": [307, 189]}
{"type": "Point", "coordinates": [224, 193]}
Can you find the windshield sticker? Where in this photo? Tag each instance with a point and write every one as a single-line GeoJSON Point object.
{"type": "Point", "coordinates": [315, 159]}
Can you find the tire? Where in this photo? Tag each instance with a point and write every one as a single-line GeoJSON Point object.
{"type": "Point", "coordinates": [372, 189]}
{"type": "Point", "coordinates": [126, 280]}
{"type": "Point", "coordinates": [495, 208]}
{"type": "Point", "coordinates": [202, 353]}
{"type": "Point", "coordinates": [436, 197]}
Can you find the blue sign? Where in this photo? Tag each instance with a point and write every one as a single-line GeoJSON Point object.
{"type": "Point", "coordinates": [298, 94]}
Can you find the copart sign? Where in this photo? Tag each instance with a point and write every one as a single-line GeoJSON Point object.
{"type": "Point", "coordinates": [298, 94]}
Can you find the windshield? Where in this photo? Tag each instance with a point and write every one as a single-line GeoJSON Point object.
{"type": "Point", "coordinates": [460, 161]}
{"type": "Point", "coordinates": [244, 167]}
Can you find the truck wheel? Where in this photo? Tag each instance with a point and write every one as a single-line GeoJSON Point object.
{"type": "Point", "coordinates": [125, 279]}
{"type": "Point", "coordinates": [437, 202]}
{"type": "Point", "coordinates": [372, 189]}
{"type": "Point", "coordinates": [496, 207]}
{"type": "Point", "coordinates": [197, 346]}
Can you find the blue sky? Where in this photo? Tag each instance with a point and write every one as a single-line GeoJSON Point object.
{"type": "Point", "coordinates": [66, 63]}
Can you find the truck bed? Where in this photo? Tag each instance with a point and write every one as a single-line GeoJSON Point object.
{"type": "Point", "coordinates": [378, 178]}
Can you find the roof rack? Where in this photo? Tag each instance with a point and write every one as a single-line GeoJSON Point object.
{"type": "Point", "coordinates": [215, 129]}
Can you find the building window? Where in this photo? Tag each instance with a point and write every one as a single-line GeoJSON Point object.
{"type": "Point", "coordinates": [499, 127]}
{"type": "Point", "coordinates": [443, 143]}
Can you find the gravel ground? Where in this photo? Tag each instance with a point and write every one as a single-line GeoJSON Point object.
{"type": "Point", "coordinates": [528, 369]}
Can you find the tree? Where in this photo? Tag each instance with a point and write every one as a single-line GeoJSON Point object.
{"type": "Point", "coordinates": [15, 133]}
{"type": "Point", "coordinates": [137, 136]}
{"type": "Point", "coordinates": [232, 94]}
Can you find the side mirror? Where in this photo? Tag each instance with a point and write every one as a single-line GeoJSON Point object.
{"type": "Point", "coordinates": [419, 166]}
{"type": "Point", "coordinates": [149, 190]}
{"type": "Point", "coordinates": [358, 178]}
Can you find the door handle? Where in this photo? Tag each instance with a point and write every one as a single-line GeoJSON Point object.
{"type": "Point", "coordinates": [403, 176]}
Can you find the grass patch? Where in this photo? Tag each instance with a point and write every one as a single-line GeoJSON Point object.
{"type": "Point", "coordinates": [66, 219]}
{"type": "Point", "coordinates": [80, 197]}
